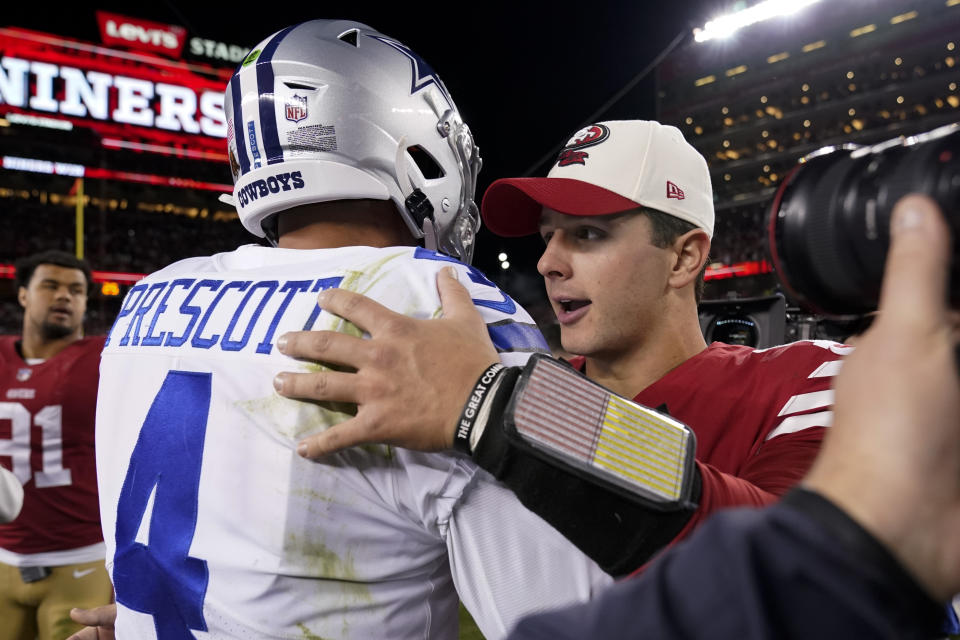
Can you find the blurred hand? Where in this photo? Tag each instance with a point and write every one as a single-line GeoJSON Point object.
{"type": "Point", "coordinates": [412, 376]}
{"type": "Point", "coordinates": [892, 458]}
{"type": "Point", "coordinates": [99, 622]}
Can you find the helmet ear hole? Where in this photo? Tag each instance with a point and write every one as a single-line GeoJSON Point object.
{"type": "Point", "coordinates": [429, 168]}
{"type": "Point", "coordinates": [350, 37]}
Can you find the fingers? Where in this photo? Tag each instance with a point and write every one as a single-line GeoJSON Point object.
{"type": "Point", "coordinates": [99, 622]}
{"type": "Point", "coordinates": [454, 296]}
{"type": "Point", "coordinates": [354, 307]}
{"type": "Point", "coordinates": [916, 274]}
{"type": "Point", "coordinates": [459, 309]}
{"type": "Point", "coordinates": [327, 346]}
{"type": "Point", "coordinates": [93, 617]}
{"type": "Point", "coordinates": [319, 386]}
{"type": "Point", "coordinates": [342, 436]}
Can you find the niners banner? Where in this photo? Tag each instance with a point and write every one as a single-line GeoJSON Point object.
{"type": "Point", "coordinates": [128, 95]}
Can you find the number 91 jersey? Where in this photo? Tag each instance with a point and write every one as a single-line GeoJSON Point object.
{"type": "Point", "coordinates": [46, 440]}
{"type": "Point", "coordinates": [214, 526]}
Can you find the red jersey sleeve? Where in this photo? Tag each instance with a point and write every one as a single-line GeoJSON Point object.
{"type": "Point", "coordinates": [778, 466]}
{"type": "Point", "coordinates": [759, 417]}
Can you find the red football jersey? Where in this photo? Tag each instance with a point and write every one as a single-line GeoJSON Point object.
{"type": "Point", "coordinates": [46, 439]}
{"type": "Point", "coordinates": [758, 416]}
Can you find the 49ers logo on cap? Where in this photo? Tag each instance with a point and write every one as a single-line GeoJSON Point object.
{"type": "Point", "coordinates": [586, 137]}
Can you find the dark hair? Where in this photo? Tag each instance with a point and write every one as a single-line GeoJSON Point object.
{"type": "Point", "coordinates": [664, 230]}
{"type": "Point", "coordinates": [27, 265]}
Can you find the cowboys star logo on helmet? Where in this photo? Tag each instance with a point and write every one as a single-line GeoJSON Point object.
{"type": "Point", "coordinates": [379, 124]}
{"type": "Point", "coordinates": [423, 73]}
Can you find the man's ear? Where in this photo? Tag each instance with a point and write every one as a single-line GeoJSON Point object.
{"type": "Point", "coordinates": [691, 251]}
{"type": "Point", "coordinates": [22, 296]}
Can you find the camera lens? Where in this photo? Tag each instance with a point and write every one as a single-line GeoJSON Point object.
{"type": "Point", "coordinates": [829, 226]}
{"type": "Point", "coordinates": [734, 329]}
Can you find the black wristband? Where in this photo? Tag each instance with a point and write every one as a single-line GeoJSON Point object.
{"type": "Point", "coordinates": [472, 409]}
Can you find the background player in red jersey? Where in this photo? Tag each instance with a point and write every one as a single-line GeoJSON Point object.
{"type": "Point", "coordinates": [627, 217]}
{"type": "Point", "coordinates": [51, 555]}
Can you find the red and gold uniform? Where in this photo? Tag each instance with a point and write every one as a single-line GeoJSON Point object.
{"type": "Point", "coordinates": [51, 555]}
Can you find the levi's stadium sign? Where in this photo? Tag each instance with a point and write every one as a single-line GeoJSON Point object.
{"type": "Point", "coordinates": [117, 30]}
{"type": "Point", "coordinates": [124, 95]}
{"type": "Point", "coordinates": [218, 51]}
{"type": "Point", "coordinates": [165, 39]}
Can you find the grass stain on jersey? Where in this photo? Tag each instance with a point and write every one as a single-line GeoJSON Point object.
{"type": "Point", "coordinates": [372, 272]}
{"type": "Point", "coordinates": [295, 419]}
{"type": "Point", "coordinates": [324, 563]}
{"type": "Point", "coordinates": [306, 634]}
{"type": "Point", "coordinates": [359, 281]}
{"type": "Point", "coordinates": [311, 494]}
{"type": "Point", "coordinates": [330, 567]}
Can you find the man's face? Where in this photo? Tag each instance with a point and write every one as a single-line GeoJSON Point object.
{"type": "Point", "coordinates": [54, 300]}
{"type": "Point", "coordinates": [606, 281]}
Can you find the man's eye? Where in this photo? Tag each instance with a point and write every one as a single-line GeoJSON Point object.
{"type": "Point", "coordinates": [546, 236]}
{"type": "Point", "coordinates": [590, 233]}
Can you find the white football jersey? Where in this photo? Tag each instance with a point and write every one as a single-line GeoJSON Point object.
{"type": "Point", "coordinates": [216, 528]}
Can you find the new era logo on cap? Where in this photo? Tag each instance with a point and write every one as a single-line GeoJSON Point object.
{"type": "Point", "coordinates": [673, 191]}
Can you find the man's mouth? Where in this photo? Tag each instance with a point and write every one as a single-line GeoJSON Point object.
{"type": "Point", "coordinates": [572, 305]}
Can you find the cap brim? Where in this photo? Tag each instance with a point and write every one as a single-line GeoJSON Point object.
{"type": "Point", "coordinates": [511, 206]}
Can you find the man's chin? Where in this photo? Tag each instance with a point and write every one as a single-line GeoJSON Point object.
{"type": "Point", "coordinates": [54, 331]}
{"type": "Point", "coordinates": [573, 346]}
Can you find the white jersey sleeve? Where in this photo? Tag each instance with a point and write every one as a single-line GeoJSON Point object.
{"type": "Point", "coordinates": [508, 563]}
{"type": "Point", "coordinates": [216, 528]}
{"type": "Point", "coordinates": [11, 496]}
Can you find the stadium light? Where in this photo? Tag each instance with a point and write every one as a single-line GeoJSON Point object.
{"type": "Point", "coordinates": [726, 26]}
{"type": "Point", "coordinates": [33, 165]}
{"type": "Point", "coordinates": [110, 288]}
{"type": "Point", "coordinates": [35, 121]}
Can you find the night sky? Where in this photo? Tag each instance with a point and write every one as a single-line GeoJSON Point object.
{"type": "Point", "coordinates": [525, 75]}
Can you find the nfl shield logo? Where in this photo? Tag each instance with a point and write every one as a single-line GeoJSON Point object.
{"type": "Point", "coordinates": [296, 108]}
{"type": "Point", "coordinates": [24, 374]}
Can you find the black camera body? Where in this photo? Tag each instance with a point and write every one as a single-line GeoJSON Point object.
{"type": "Point", "coordinates": [829, 225]}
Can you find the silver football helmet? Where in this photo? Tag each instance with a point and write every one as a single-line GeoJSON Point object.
{"type": "Point", "coordinates": [332, 109]}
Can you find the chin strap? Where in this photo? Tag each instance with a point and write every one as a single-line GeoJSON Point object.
{"type": "Point", "coordinates": [416, 202]}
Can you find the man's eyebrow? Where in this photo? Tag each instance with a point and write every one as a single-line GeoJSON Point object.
{"type": "Point", "coordinates": [60, 282]}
